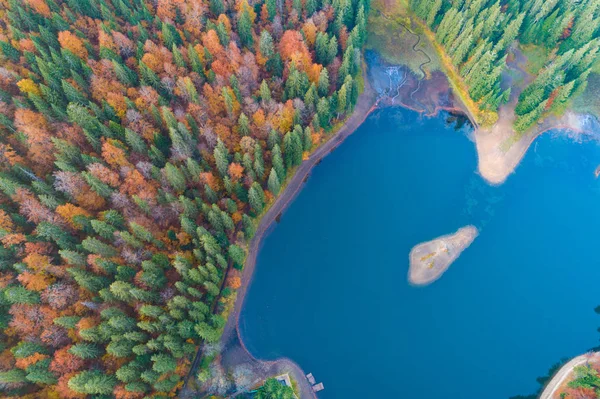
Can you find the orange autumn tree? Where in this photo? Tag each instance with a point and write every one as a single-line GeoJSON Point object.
{"type": "Point", "coordinates": [137, 140]}
{"type": "Point", "coordinates": [72, 43]}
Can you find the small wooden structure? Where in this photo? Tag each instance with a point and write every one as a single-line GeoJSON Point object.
{"type": "Point", "coordinates": [318, 387]}
{"type": "Point", "coordinates": [311, 378]}
{"type": "Point", "coordinates": [284, 379]}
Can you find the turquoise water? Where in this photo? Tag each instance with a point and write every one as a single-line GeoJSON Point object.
{"type": "Point", "coordinates": [330, 289]}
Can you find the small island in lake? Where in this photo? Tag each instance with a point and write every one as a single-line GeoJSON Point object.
{"type": "Point", "coordinates": [429, 260]}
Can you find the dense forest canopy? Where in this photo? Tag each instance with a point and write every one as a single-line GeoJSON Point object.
{"type": "Point", "coordinates": [139, 141]}
{"type": "Point", "coordinates": [478, 35]}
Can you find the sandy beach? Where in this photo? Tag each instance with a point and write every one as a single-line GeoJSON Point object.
{"type": "Point", "coordinates": [500, 151]}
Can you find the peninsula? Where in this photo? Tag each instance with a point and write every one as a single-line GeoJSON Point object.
{"type": "Point", "coordinates": [429, 260]}
{"type": "Point", "coordinates": [500, 76]}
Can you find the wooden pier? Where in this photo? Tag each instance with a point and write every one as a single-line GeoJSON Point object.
{"type": "Point", "coordinates": [316, 387]}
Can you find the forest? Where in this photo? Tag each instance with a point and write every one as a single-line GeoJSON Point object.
{"type": "Point", "coordinates": [585, 383]}
{"type": "Point", "coordinates": [140, 142]}
{"type": "Point", "coordinates": [478, 35]}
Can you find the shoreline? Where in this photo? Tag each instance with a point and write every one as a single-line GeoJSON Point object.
{"type": "Point", "coordinates": [429, 260]}
{"type": "Point", "coordinates": [499, 148]}
{"type": "Point", "coordinates": [495, 164]}
{"type": "Point", "coordinates": [234, 350]}
{"type": "Point", "coordinates": [231, 339]}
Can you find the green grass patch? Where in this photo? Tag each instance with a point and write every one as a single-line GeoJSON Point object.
{"type": "Point", "coordinates": [536, 57]}
{"type": "Point", "coordinates": [391, 40]}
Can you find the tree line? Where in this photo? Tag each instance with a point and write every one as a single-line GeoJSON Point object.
{"type": "Point", "coordinates": [478, 34]}
{"type": "Point", "coordinates": [139, 142]}
{"type": "Point", "coordinates": [571, 32]}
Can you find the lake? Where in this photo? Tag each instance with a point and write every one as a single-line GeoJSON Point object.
{"type": "Point", "coordinates": [330, 289]}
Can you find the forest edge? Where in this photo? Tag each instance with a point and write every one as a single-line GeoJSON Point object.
{"type": "Point", "coordinates": [231, 339]}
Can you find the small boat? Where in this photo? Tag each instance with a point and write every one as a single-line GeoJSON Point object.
{"type": "Point", "coordinates": [597, 171]}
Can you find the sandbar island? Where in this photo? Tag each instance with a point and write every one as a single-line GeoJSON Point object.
{"type": "Point", "coordinates": [430, 259]}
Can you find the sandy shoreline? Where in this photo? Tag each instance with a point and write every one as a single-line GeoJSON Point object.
{"type": "Point", "coordinates": [499, 148]}
{"type": "Point", "coordinates": [498, 156]}
{"type": "Point", "coordinates": [494, 165]}
{"type": "Point", "coordinates": [431, 259]}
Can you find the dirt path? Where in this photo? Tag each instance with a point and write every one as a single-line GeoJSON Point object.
{"type": "Point", "coordinates": [365, 105]}
{"type": "Point", "coordinates": [565, 371]}
{"type": "Point", "coordinates": [234, 350]}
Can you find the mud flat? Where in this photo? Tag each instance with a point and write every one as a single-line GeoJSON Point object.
{"type": "Point", "coordinates": [430, 259]}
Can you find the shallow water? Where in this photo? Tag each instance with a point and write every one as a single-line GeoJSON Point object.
{"type": "Point", "coordinates": [330, 289]}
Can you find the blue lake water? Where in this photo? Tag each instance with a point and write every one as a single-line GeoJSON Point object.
{"type": "Point", "coordinates": [330, 289]}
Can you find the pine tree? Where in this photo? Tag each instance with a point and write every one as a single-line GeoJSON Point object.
{"type": "Point", "coordinates": [124, 74]}
{"type": "Point", "coordinates": [9, 51]}
{"type": "Point", "coordinates": [175, 177]}
{"type": "Point", "coordinates": [321, 43]}
{"type": "Point", "coordinates": [307, 139]}
{"type": "Point", "coordinates": [244, 29]}
{"type": "Point", "coordinates": [323, 86]}
{"type": "Point", "coordinates": [293, 84]}
{"type": "Point", "coordinates": [341, 100]}
{"type": "Point", "coordinates": [524, 122]}
{"type": "Point", "coordinates": [237, 255]}
{"type": "Point", "coordinates": [223, 34]}
{"type": "Point", "coordinates": [14, 376]}
{"type": "Point", "coordinates": [85, 350]}
{"type": "Point", "coordinates": [257, 198]}
{"type": "Point", "coordinates": [273, 183]}
{"type": "Point", "coordinates": [323, 112]}
{"type": "Point", "coordinates": [96, 246]}
{"type": "Point", "coordinates": [243, 125]}
{"type": "Point", "coordinates": [228, 100]}
{"type": "Point", "coordinates": [271, 8]}
{"type": "Point", "coordinates": [259, 166]}
{"type": "Point", "coordinates": [332, 50]}
{"type": "Point", "coordinates": [20, 295]}
{"type": "Point", "coordinates": [433, 11]}
{"type": "Point", "coordinates": [310, 7]}
{"type": "Point", "coordinates": [163, 363]}
{"type": "Point", "coordinates": [216, 7]}
{"type": "Point", "coordinates": [72, 94]}
{"type": "Point", "coordinates": [293, 150]}
{"type": "Point", "coordinates": [249, 228]}
{"type": "Point", "coordinates": [221, 158]}
{"type": "Point", "coordinates": [93, 383]}
{"type": "Point", "coordinates": [445, 24]}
